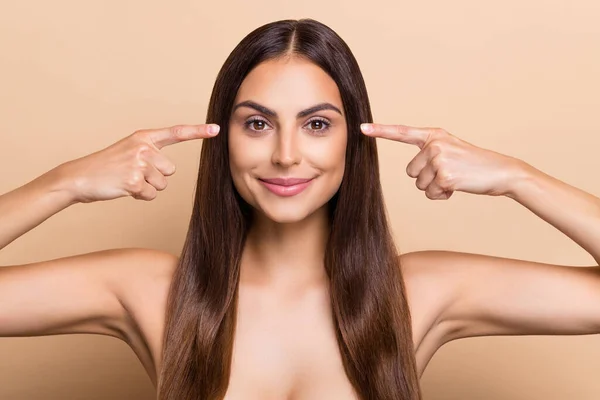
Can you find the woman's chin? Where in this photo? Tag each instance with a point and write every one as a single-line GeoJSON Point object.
{"type": "Point", "coordinates": [285, 215]}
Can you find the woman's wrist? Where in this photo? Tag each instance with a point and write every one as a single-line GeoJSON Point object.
{"type": "Point", "coordinates": [522, 177]}
{"type": "Point", "coordinates": [58, 186]}
{"type": "Point", "coordinates": [27, 206]}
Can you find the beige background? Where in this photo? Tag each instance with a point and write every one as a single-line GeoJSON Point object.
{"type": "Point", "coordinates": [519, 77]}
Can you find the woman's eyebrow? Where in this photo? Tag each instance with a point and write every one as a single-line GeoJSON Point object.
{"type": "Point", "coordinates": [301, 114]}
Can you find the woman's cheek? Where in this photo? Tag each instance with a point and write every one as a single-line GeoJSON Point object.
{"type": "Point", "coordinates": [246, 153]}
{"type": "Point", "coordinates": [329, 153]}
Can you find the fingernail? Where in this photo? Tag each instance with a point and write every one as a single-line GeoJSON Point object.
{"type": "Point", "coordinates": [213, 129]}
{"type": "Point", "coordinates": [367, 128]}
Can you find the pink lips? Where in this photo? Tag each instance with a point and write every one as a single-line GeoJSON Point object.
{"type": "Point", "coordinates": [286, 186]}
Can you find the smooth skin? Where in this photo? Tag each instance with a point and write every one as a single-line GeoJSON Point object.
{"type": "Point", "coordinates": [283, 288]}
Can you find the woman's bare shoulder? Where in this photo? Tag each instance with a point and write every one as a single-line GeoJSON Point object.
{"type": "Point", "coordinates": [83, 293]}
{"type": "Point", "coordinates": [428, 294]}
{"type": "Point", "coordinates": [423, 273]}
{"type": "Point", "coordinates": [148, 274]}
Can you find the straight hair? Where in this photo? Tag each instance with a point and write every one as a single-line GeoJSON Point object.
{"type": "Point", "coordinates": [368, 297]}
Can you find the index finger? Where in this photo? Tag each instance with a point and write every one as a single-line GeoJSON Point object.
{"type": "Point", "coordinates": [180, 133]}
{"type": "Point", "coordinates": [400, 133]}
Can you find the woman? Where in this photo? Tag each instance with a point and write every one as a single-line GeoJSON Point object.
{"type": "Point", "coordinates": [289, 284]}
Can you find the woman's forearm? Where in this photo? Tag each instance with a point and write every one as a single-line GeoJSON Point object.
{"type": "Point", "coordinates": [31, 204]}
{"type": "Point", "coordinates": [573, 211]}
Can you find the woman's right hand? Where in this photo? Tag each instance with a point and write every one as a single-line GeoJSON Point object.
{"type": "Point", "coordinates": [133, 166]}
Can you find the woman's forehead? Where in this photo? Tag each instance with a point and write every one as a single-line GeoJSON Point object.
{"type": "Point", "coordinates": [289, 84]}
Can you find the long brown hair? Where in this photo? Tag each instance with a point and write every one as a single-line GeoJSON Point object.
{"type": "Point", "coordinates": [368, 297]}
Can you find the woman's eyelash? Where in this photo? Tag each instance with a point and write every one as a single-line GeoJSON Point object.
{"type": "Point", "coordinates": [318, 131]}
{"type": "Point", "coordinates": [251, 121]}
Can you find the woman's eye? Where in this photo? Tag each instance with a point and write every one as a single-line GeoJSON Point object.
{"type": "Point", "coordinates": [259, 125]}
{"type": "Point", "coordinates": [255, 124]}
{"type": "Point", "coordinates": [316, 125]}
{"type": "Point", "coordinates": [319, 125]}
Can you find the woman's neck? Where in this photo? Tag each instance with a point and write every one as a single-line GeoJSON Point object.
{"type": "Point", "coordinates": [286, 254]}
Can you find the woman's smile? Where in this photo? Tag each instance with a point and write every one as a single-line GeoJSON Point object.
{"type": "Point", "coordinates": [286, 187]}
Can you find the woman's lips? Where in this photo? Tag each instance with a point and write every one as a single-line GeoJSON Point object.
{"type": "Point", "coordinates": [286, 190]}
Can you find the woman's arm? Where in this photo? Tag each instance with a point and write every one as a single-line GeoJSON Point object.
{"type": "Point", "coordinates": [573, 211]}
{"type": "Point", "coordinates": [93, 292]}
{"type": "Point", "coordinates": [28, 206]}
{"type": "Point", "coordinates": [479, 295]}
{"type": "Point", "coordinates": [133, 166]}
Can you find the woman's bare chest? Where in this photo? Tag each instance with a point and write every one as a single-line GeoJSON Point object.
{"type": "Point", "coordinates": [284, 347]}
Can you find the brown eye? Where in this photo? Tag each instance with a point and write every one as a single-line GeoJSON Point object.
{"type": "Point", "coordinates": [319, 126]}
{"type": "Point", "coordinates": [255, 125]}
{"type": "Point", "coordinates": [259, 125]}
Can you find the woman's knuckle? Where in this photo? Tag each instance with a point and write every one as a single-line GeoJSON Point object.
{"type": "Point", "coordinates": [138, 133]}
{"type": "Point", "coordinates": [444, 179]}
{"type": "Point", "coordinates": [141, 164]}
{"type": "Point", "coordinates": [143, 148]}
{"type": "Point", "coordinates": [436, 146]}
{"type": "Point", "coordinates": [437, 162]}
{"type": "Point", "coordinates": [134, 182]}
{"type": "Point", "coordinates": [176, 130]}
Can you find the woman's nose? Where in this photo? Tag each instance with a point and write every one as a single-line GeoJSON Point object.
{"type": "Point", "coordinates": [287, 149]}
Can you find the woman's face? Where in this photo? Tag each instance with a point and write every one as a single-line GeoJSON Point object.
{"type": "Point", "coordinates": [281, 139]}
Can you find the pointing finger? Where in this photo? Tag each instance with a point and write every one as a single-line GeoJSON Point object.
{"type": "Point", "coordinates": [179, 133]}
{"type": "Point", "coordinates": [400, 133]}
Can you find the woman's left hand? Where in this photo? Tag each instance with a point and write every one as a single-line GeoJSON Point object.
{"type": "Point", "coordinates": [447, 164]}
